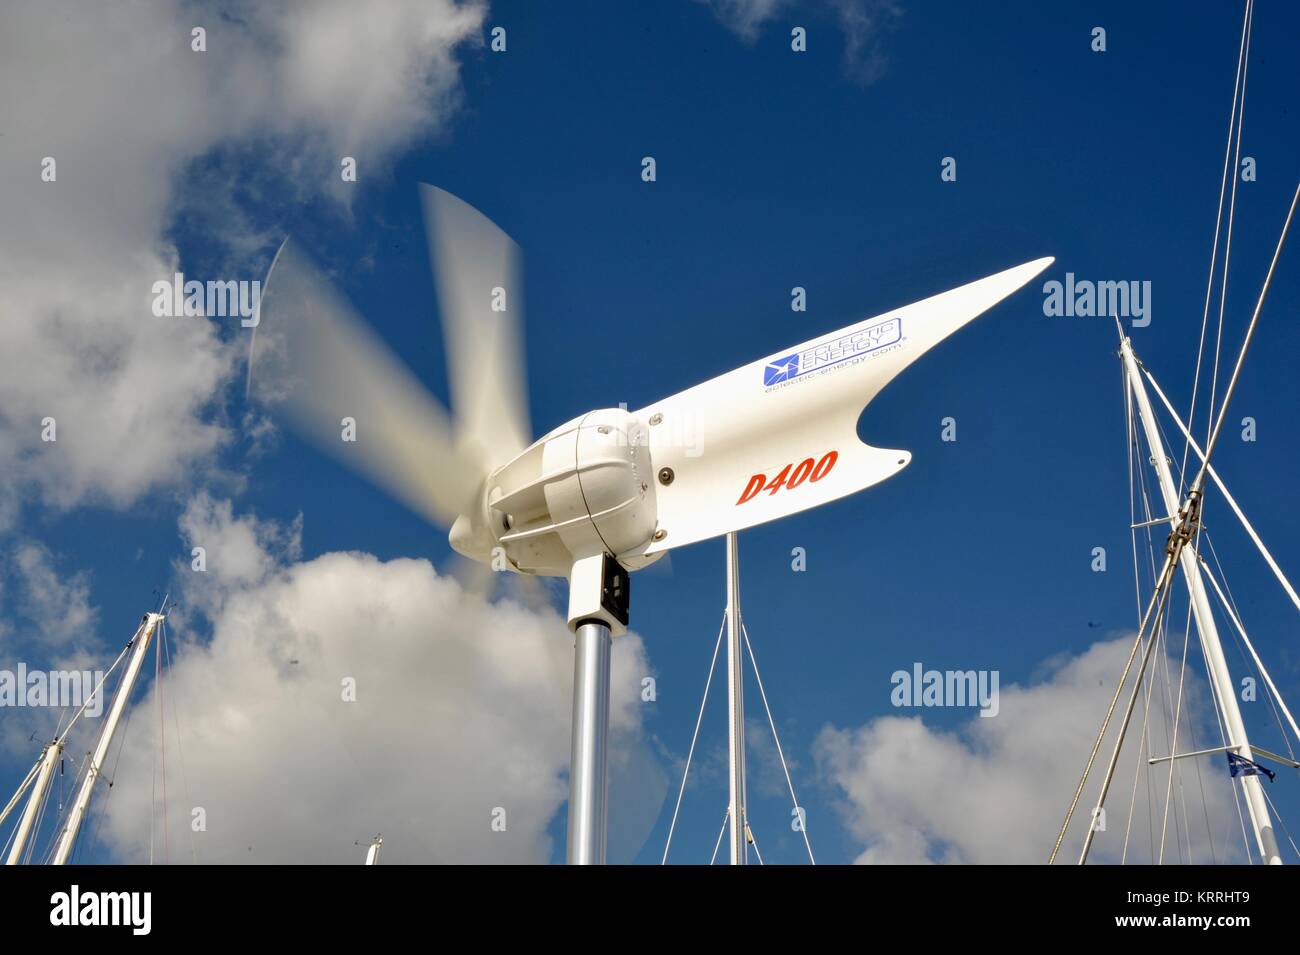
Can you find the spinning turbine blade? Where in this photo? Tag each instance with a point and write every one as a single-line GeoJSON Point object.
{"type": "Point", "coordinates": [477, 274]}
{"type": "Point", "coordinates": [315, 362]}
{"type": "Point", "coordinates": [779, 435]}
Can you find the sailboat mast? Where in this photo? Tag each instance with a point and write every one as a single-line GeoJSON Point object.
{"type": "Point", "coordinates": [736, 811]}
{"type": "Point", "coordinates": [77, 814]}
{"type": "Point", "coordinates": [49, 759]}
{"type": "Point", "coordinates": [1216, 665]}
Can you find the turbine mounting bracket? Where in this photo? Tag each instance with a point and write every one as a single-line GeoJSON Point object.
{"type": "Point", "coordinates": [599, 593]}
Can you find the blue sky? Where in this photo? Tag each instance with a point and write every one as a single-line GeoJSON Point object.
{"type": "Point", "coordinates": [774, 170]}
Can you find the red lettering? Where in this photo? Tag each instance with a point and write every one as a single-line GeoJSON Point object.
{"type": "Point", "coordinates": [824, 466]}
{"type": "Point", "coordinates": [790, 476]}
{"type": "Point", "coordinates": [778, 481]}
{"type": "Point", "coordinates": [800, 473]}
{"type": "Point", "coordinates": [753, 487]}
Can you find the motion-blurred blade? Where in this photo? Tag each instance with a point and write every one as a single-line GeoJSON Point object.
{"type": "Point", "coordinates": [490, 585]}
{"type": "Point", "coordinates": [315, 362]}
{"type": "Point", "coordinates": [779, 436]}
{"type": "Point", "coordinates": [473, 576]}
{"type": "Point", "coordinates": [480, 289]}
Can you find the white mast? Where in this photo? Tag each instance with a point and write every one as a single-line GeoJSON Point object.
{"type": "Point", "coordinates": [1220, 678]}
{"type": "Point", "coordinates": [736, 812]}
{"type": "Point", "coordinates": [49, 759]}
{"type": "Point", "coordinates": [78, 812]}
{"type": "Point", "coordinates": [372, 854]}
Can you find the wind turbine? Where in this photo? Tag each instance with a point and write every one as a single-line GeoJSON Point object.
{"type": "Point", "coordinates": [608, 492]}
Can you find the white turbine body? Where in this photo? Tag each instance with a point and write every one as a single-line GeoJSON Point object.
{"type": "Point", "coordinates": [772, 438]}
{"type": "Point", "coordinates": [609, 491]}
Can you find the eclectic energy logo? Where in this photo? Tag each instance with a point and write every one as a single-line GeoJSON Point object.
{"type": "Point", "coordinates": [833, 351]}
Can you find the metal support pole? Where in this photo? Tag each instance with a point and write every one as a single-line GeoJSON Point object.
{"type": "Point", "coordinates": [588, 816]}
{"type": "Point", "coordinates": [68, 837]}
{"type": "Point", "coordinates": [49, 759]}
{"type": "Point", "coordinates": [1217, 666]}
{"type": "Point", "coordinates": [736, 812]}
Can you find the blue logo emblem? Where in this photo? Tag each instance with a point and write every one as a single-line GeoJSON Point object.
{"type": "Point", "coordinates": [781, 369]}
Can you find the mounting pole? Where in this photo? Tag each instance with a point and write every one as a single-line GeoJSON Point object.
{"type": "Point", "coordinates": [598, 612]}
{"type": "Point", "coordinates": [49, 759]}
{"type": "Point", "coordinates": [372, 854]}
{"type": "Point", "coordinates": [78, 812]}
{"type": "Point", "coordinates": [588, 780]}
{"type": "Point", "coordinates": [1216, 665]}
{"type": "Point", "coordinates": [737, 819]}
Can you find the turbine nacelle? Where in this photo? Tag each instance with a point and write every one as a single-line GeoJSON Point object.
{"type": "Point", "coordinates": [586, 488]}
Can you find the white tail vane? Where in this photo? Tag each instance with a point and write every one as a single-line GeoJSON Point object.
{"type": "Point", "coordinates": [779, 436]}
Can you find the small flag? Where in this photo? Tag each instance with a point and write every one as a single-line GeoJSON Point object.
{"type": "Point", "coordinates": [1241, 766]}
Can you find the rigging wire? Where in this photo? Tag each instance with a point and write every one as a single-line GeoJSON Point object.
{"type": "Point", "coordinates": [1145, 743]}
{"type": "Point", "coordinates": [103, 808]}
{"type": "Point", "coordinates": [713, 665]}
{"type": "Point", "coordinates": [1220, 719]}
{"type": "Point", "coordinates": [162, 736]}
{"type": "Point", "coordinates": [1213, 439]}
{"type": "Point", "coordinates": [1147, 524]}
{"type": "Point", "coordinates": [1110, 710]}
{"type": "Point", "coordinates": [1151, 566]}
{"type": "Point", "coordinates": [18, 793]}
{"type": "Point", "coordinates": [1218, 222]}
{"type": "Point", "coordinates": [749, 834]}
{"type": "Point", "coordinates": [1191, 730]}
{"type": "Point", "coordinates": [1280, 820]}
{"type": "Point", "coordinates": [1163, 590]}
{"type": "Point", "coordinates": [1217, 430]}
{"type": "Point", "coordinates": [1232, 209]}
{"type": "Point", "coordinates": [36, 826]}
{"type": "Point", "coordinates": [1223, 489]}
{"type": "Point", "coordinates": [1180, 716]}
{"type": "Point", "coordinates": [180, 747]}
{"type": "Point", "coordinates": [717, 845]}
{"type": "Point", "coordinates": [1138, 775]}
{"type": "Point", "coordinates": [803, 828]}
{"type": "Point", "coordinates": [1230, 607]}
{"type": "Point", "coordinates": [1261, 669]}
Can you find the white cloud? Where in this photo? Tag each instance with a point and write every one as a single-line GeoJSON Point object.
{"type": "Point", "coordinates": [54, 605]}
{"type": "Point", "coordinates": [995, 790]}
{"type": "Point", "coordinates": [114, 93]}
{"type": "Point", "coordinates": [236, 551]}
{"type": "Point", "coordinates": [461, 707]}
{"type": "Point", "coordinates": [50, 623]}
{"type": "Point", "coordinates": [746, 17]}
{"type": "Point", "coordinates": [862, 23]}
